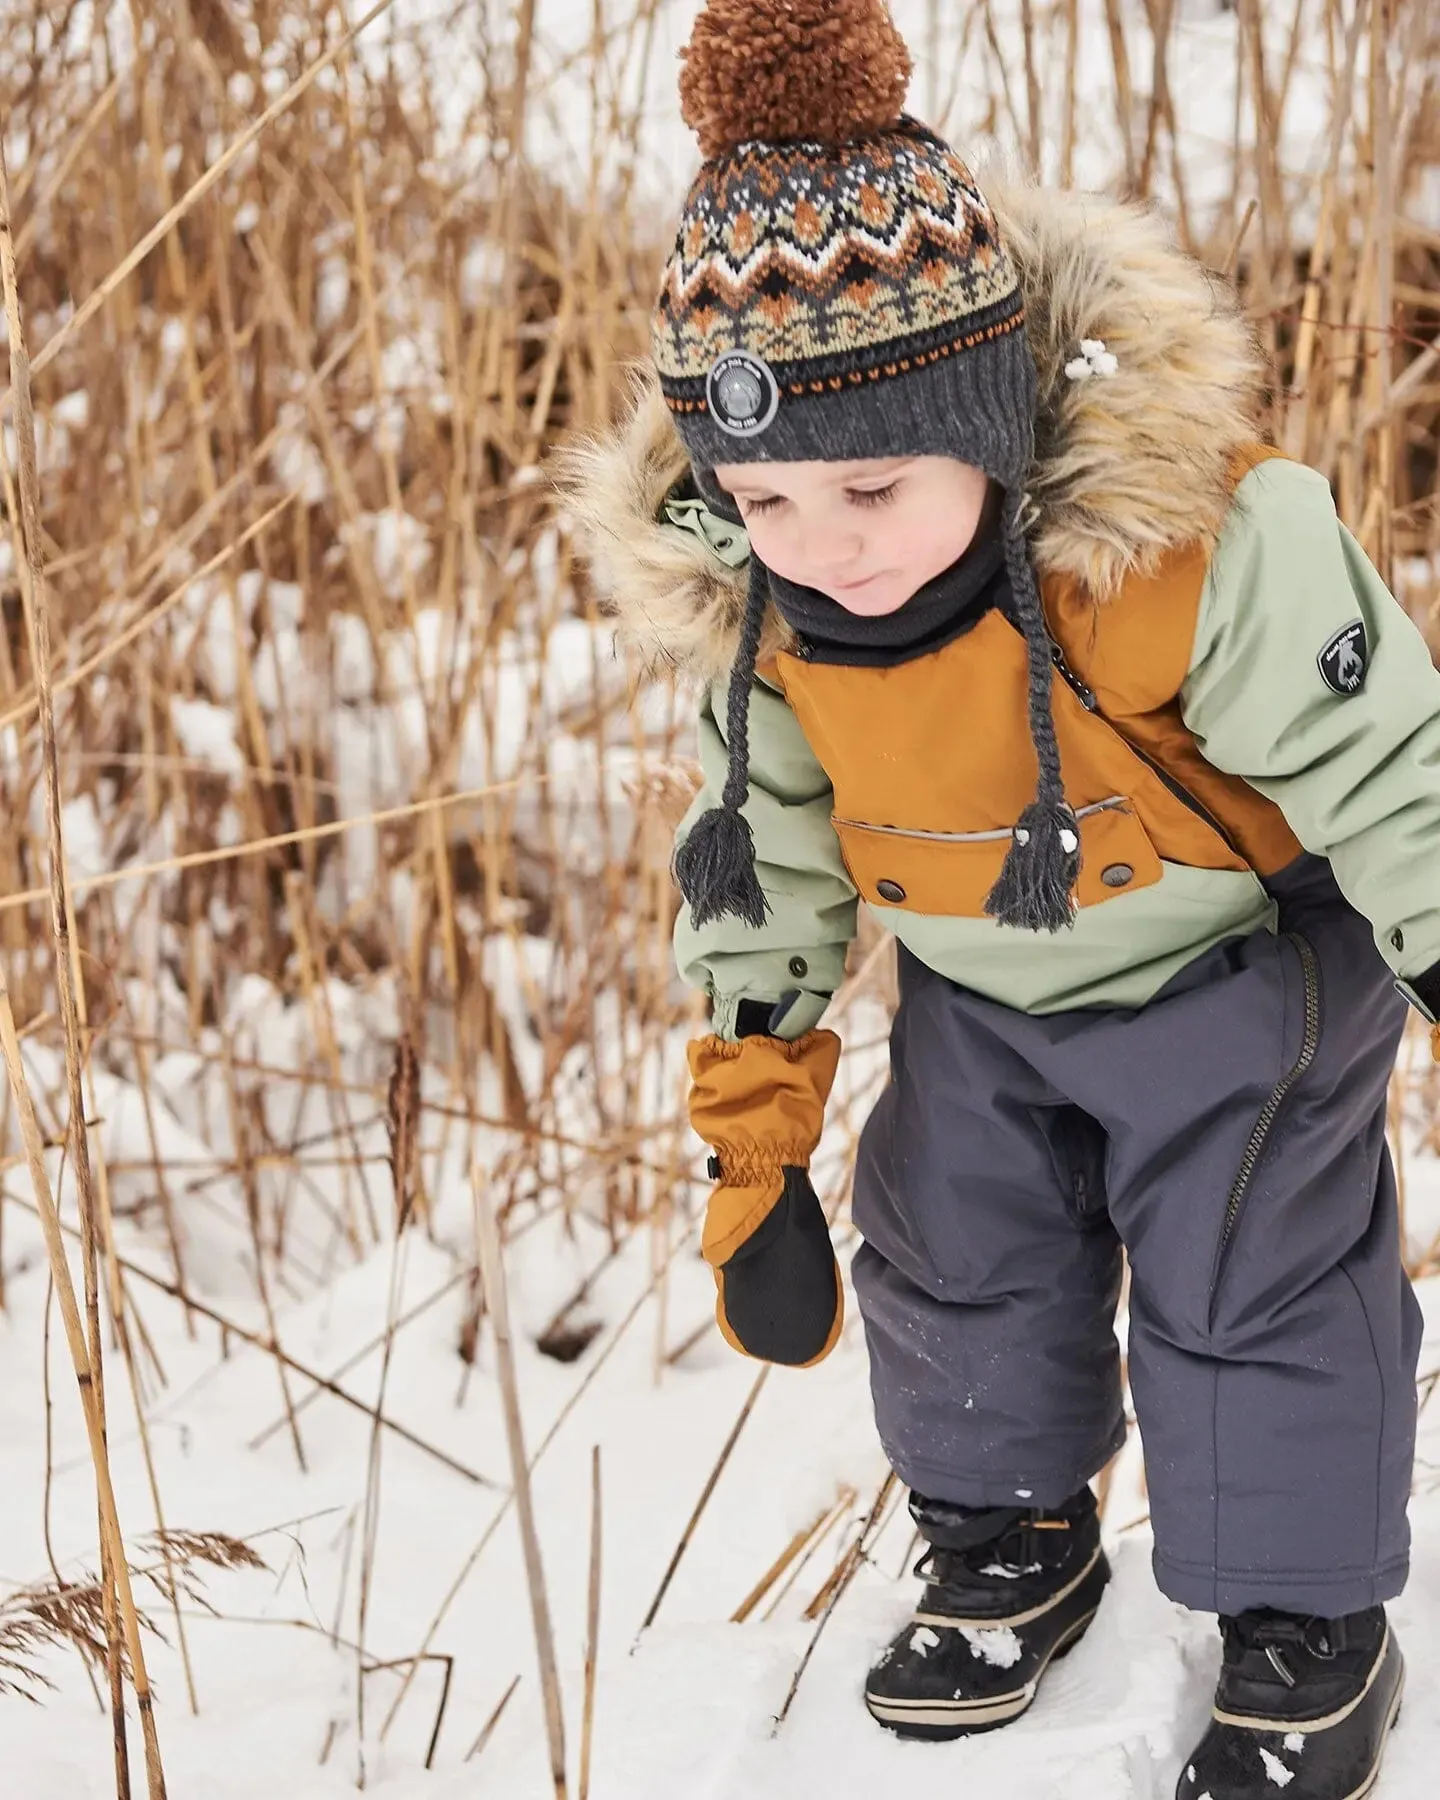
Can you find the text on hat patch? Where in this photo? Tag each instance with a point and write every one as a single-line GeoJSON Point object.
{"type": "Point", "coordinates": [742, 393]}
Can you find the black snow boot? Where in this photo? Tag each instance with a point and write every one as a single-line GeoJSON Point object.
{"type": "Point", "coordinates": [1008, 1589]}
{"type": "Point", "coordinates": [1303, 1704]}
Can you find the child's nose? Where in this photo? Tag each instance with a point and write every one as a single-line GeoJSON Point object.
{"type": "Point", "coordinates": [832, 546]}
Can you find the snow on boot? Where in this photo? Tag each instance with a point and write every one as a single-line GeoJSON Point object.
{"type": "Point", "coordinates": [1304, 1705]}
{"type": "Point", "coordinates": [1008, 1589]}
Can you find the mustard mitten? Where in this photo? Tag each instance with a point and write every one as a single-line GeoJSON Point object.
{"type": "Point", "coordinates": [760, 1104]}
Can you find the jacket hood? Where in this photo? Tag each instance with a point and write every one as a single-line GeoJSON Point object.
{"type": "Point", "coordinates": [1127, 465]}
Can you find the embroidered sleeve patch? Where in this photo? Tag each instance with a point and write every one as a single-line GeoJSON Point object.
{"type": "Point", "coordinates": [1346, 658]}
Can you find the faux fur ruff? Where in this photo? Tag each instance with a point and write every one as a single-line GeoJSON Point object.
{"type": "Point", "coordinates": [1126, 466]}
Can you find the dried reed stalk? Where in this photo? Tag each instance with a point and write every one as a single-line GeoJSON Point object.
{"type": "Point", "coordinates": [163, 226]}
{"type": "Point", "coordinates": [711, 1482]}
{"type": "Point", "coordinates": [592, 1623]}
{"type": "Point", "coordinates": [845, 1575]}
{"type": "Point", "coordinates": [798, 1543]}
{"type": "Point", "coordinates": [467, 1568]}
{"type": "Point", "coordinates": [492, 1267]}
{"type": "Point", "coordinates": [281, 840]}
{"type": "Point", "coordinates": [88, 1366]}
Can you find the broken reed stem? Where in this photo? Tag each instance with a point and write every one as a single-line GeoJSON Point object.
{"type": "Point", "coordinates": [592, 1624]}
{"type": "Point", "coordinates": [492, 1269]}
{"type": "Point", "coordinates": [89, 1368]}
{"type": "Point", "coordinates": [230, 1329]}
{"type": "Point", "coordinates": [836, 1516]}
{"type": "Point", "coordinates": [782, 1562]}
{"type": "Point", "coordinates": [849, 1567]}
{"type": "Point", "coordinates": [487, 1730]}
{"type": "Point", "coordinates": [727, 1450]}
{"type": "Point", "coordinates": [261, 1438]}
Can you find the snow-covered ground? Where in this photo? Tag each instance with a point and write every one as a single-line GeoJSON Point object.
{"type": "Point", "coordinates": [686, 1708]}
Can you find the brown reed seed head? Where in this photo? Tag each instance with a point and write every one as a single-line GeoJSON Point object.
{"type": "Point", "coordinates": [831, 70]}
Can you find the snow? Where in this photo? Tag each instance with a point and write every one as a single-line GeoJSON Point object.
{"type": "Point", "coordinates": [1275, 1770]}
{"type": "Point", "coordinates": [1295, 1742]}
{"type": "Point", "coordinates": [996, 1645]}
{"type": "Point", "coordinates": [687, 1707]}
{"type": "Point", "coordinates": [207, 733]}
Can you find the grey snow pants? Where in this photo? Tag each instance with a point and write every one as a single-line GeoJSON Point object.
{"type": "Point", "coordinates": [1231, 1136]}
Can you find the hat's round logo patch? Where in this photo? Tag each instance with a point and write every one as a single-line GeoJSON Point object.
{"type": "Point", "coordinates": [742, 393]}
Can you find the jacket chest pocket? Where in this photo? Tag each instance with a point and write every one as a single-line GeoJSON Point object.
{"type": "Point", "coordinates": [948, 874]}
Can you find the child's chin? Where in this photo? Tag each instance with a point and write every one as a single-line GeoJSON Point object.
{"type": "Point", "coordinates": [878, 605]}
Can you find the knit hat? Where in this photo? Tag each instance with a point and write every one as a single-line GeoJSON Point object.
{"type": "Point", "coordinates": [838, 290]}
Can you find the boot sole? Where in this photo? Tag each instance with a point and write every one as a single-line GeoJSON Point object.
{"type": "Point", "coordinates": [939, 1720]}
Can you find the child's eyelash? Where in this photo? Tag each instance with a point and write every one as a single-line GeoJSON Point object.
{"type": "Point", "coordinates": [874, 496]}
{"type": "Point", "coordinates": [857, 496]}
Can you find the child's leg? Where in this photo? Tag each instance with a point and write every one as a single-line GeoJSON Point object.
{"type": "Point", "coordinates": [1274, 1338]}
{"type": "Point", "coordinates": [990, 1272]}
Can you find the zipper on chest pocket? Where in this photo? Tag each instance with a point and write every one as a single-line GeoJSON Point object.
{"type": "Point", "coordinates": [1259, 1136]}
{"type": "Point", "coordinates": [1177, 791]}
{"type": "Point", "coordinates": [1116, 803]}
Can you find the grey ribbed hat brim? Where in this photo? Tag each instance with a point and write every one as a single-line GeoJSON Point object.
{"type": "Point", "coordinates": [977, 406]}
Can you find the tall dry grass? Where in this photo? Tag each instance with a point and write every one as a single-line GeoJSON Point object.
{"type": "Point", "coordinates": [292, 467]}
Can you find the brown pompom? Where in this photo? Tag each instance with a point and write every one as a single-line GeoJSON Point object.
{"type": "Point", "coordinates": [832, 70]}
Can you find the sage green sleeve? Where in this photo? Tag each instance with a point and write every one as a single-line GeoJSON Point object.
{"type": "Point", "coordinates": [812, 900]}
{"type": "Point", "coordinates": [1356, 775]}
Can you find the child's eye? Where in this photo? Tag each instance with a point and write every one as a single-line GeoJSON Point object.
{"type": "Point", "coordinates": [874, 496]}
{"type": "Point", "coordinates": [751, 505]}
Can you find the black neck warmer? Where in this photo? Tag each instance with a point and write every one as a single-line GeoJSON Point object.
{"type": "Point", "coordinates": [957, 598]}
{"type": "Point", "coordinates": [715, 865]}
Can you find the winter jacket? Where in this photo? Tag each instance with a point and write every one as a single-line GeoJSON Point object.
{"type": "Point", "coordinates": [1234, 681]}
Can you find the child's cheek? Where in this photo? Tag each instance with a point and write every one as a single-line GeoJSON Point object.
{"type": "Point", "coordinates": [773, 545]}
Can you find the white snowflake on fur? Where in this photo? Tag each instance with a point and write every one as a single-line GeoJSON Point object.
{"type": "Point", "coordinates": [1094, 359]}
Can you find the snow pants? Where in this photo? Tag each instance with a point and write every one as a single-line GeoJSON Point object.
{"type": "Point", "coordinates": [1231, 1136]}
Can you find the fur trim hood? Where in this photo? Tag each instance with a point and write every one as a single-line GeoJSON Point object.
{"type": "Point", "coordinates": [1127, 465]}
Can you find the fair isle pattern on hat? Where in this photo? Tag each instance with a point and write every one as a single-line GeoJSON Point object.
{"type": "Point", "coordinates": [838, 266]}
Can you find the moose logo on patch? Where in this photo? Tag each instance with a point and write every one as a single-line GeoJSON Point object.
{"type": "Point", "coordinates": [1346, 658]}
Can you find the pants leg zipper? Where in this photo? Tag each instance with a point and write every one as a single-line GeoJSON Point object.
{"type": "Point", "coordinates": [1254, 1149]}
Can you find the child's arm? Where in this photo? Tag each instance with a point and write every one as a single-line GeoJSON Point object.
{"type": "Point", "coordinates": [761, 1077]}
{"type": "Point", "coordinates": [1341, 729]}
{"type": "Point", "coordinates": [800, 950]}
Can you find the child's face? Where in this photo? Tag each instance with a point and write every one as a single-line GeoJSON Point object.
{"type": "Point", "coordinates": [869, 534]}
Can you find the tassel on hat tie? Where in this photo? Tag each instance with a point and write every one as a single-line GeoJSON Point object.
{"type": "Point", "coordinates": [1035, 890]}
{"type": "Point", "coordinates": [715, 867]}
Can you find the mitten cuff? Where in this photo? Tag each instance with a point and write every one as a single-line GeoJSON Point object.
{"type": "Point", "coordinates": [760, 1103]}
